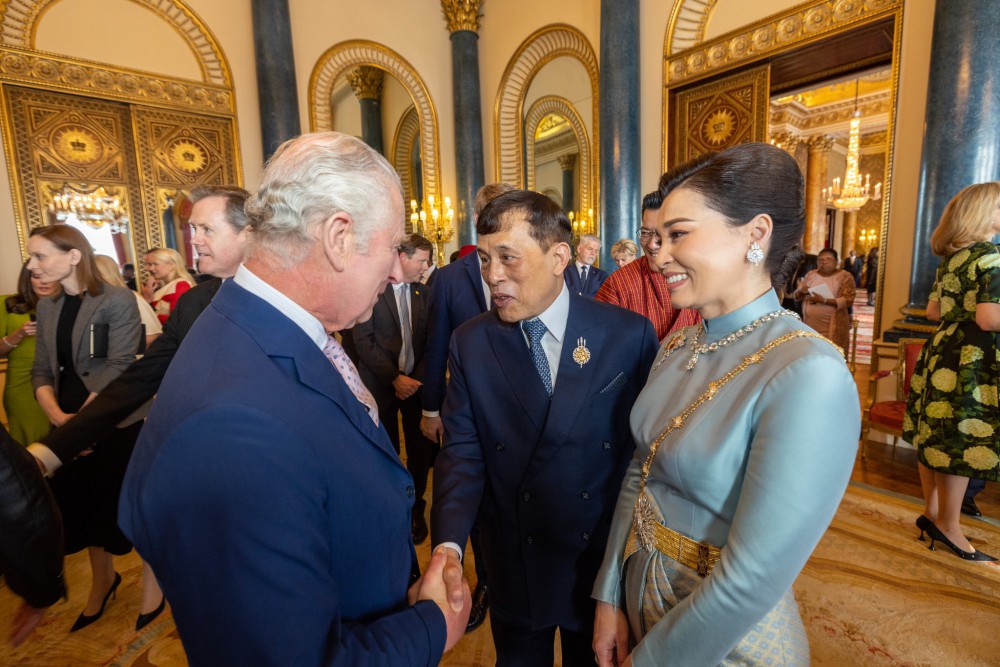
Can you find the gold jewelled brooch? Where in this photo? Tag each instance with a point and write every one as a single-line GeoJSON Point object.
{"type": "Point", "coordinates": [581, 354]}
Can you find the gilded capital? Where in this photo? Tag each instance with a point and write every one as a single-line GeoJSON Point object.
{"type": "Point", "coordinates": [462, 14]}
{"type": "Point", "coordinates": [566, 162]}
{"type": "Point", "coordinates": [787, 141]}
{"type": "Point", "coordinates": [820, 143]}
{"type": "Point", "coordinates": [366, 82]}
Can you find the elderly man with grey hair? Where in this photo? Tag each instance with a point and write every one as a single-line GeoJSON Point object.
{"type": "Point", "coordinates": [582, 277]}
{"type": "Point", "coordinates": [266, 495]}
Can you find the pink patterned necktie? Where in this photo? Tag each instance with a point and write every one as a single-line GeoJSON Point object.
{"type": "Point", "coordinates": [334, 351]}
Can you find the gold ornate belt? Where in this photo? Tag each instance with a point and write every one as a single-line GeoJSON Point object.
{"type": "Point", "coordinates": [699, 556]}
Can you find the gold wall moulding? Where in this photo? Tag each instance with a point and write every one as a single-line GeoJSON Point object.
{"type": "Point", "coordinates": [542, 108]}
{"type": "Point", "coordinates": [462, 14]}
{"type": "Point", "coordinates": [340, 59]}
{"type": "Point", "coordinates": [686, 27]}
{"type": "Point", "coordinates": [53, 72]}
{"type": "Point", "coordinates": [771, 35]}
{"type": "Point", "coordinates": [19, 21]}
{"type": "Point", "coordinates": [404, 140]}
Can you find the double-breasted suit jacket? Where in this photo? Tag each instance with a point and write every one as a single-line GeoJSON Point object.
{"type": "Point", "coordinates": [543, 474]}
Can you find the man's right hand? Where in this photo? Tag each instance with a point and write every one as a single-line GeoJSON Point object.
{"type": "Point", "coordinates": [444, 584]}
{"type": "Point", "coordinates": [405, 386]}
{"type": "Point", "coordinates": [432, 428]}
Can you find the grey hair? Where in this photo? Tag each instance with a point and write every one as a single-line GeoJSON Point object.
{"type": "Point", "coordinates": [312, 177]}
{"type": "Point", "coordinates": [590, 237]}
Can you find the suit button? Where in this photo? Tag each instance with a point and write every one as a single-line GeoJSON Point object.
{"type": "Point", "coordinates": [607, 445]}
{"type": "Point", "coordinates": [501, 446]}
{"type": "Point", "coordinates": [85, 373]}
{"type": "Point", "coordinates": [530, 540]}
{"type": "Point", "coordinates": [527, 496]}
{"type": "Point", "coordinates": [410, 492]}
{"type": "Point", "coordinates": [585, 495]}
{"type": "Point", "coordinates": [586, 536]}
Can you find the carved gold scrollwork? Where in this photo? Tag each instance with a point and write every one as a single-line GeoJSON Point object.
{"type": "Point", "coordinates": [366, 82]}
{"type": "Point", "coordinates": [462, 14]}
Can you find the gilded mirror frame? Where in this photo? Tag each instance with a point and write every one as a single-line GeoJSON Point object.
{"type": "Point", "coordinates": [774, 35]}
{"type": "Point", "coordinates": [552, 104]}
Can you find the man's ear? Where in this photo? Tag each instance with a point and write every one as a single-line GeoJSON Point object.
{"type": "Point", "coordinates": [336, 238]}
{"type": "Point", "coordinates": [562, 254]}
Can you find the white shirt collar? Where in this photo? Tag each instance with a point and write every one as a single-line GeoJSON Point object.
{"type": "Point", "coordinates": [313, 328]}
{"type": "Point", "coordinates": [554, 317]}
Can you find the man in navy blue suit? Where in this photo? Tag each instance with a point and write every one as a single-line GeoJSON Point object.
{"type": "Point", "coordinates": [582, 277]}
{"type": "Point", "coordinates": [536, 432]}
{"type": "Point", "coordinates": [266, 496]}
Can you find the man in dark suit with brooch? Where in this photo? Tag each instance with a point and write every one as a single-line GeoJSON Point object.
{"type": "Point", "coordinates": [582, 276]}
{"type": "Point", "coordinates": [390, 351]}
{"type": "Point", "coordinates": [536, 432]}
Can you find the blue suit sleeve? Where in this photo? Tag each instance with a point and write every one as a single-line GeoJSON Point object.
{"type": "Point", "coordinates": [801, 455]}
{"type": "Point", "coordinates": [435, 357]}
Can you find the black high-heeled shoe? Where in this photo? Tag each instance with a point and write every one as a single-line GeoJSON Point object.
{"type": "Point", "coordinates": [83, 620]}
{"type": "Point", "coordinates": [923, 523]}
{"type": "Point", "coordinates": [146, 619]}
{"type": "Point", "coordinates": [936, 535]}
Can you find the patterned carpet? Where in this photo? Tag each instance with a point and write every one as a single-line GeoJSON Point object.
{"type": "Point", "coordinates": [870, 595]}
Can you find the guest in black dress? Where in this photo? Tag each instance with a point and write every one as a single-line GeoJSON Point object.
{"type": "Point", "coordinates": [86, 337]}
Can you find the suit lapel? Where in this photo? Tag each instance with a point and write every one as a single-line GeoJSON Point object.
{"type": "Point", "coordinates": [388, 299]}
{"type": "Point", "coordinates": [81, 327]}
{"type": "Point", "coordinates": [514, 360]}
{"type": "Point", "coordinates": [574, 383]}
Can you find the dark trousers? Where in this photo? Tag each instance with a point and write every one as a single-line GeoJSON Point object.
{"type": "Point", "coordinates": [975, 486]}
{"type": "Point", "coordinates": [419, 450]}
{"type": "Point", "coordinates": [519, 646]}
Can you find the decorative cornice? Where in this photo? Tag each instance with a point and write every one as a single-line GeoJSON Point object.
{"type": "Point", "coordinates": [821, 143]}
{"type": "Point", "coordinates": [366, 82]}
{"type": "Point", "coordinates": [462, 14]}
{"type": "Point", "coordinates": [787, 141]}
{"type": "Point", "coordinates": [98, 80]}
{"type": "Point", "coordinates": [804, 22]}
{"type": "Point", "coordinates": [566, 162]}
{"type": "Point", "coordinates": [875, 140]}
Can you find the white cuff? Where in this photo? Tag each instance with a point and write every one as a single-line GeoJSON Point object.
{"type": "Point", "coordinates": [431, 413]}
{"type": "Point", "coordinates": [46, 456]}
{"type": "Point", "coordinates": [452, 545]}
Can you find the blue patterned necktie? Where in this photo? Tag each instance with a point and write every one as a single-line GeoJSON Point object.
{"type": "Point", "coordinates": [583, 274]}
{"type": "Point", "coordinates": [535, 330]}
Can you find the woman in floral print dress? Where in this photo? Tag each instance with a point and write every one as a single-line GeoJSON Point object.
{"type": "Point", "coordinates": [952, 415]}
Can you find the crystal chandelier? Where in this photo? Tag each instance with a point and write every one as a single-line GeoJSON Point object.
{"type": "Point", "coordinates": [93, 207]}
{"type": "Point", "coordinates": [434, 220]}
{"type": "Point", "coordinates": [853, 194]}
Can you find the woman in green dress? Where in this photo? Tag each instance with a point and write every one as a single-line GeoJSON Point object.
{"type": "Point", "coordinates": [952, 417]}
{"type": "Point", "coordinates": [28, 422]}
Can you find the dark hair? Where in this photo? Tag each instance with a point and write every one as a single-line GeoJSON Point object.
{"type": "Point", "coordinates": [68, 238]}
{"type": "Point", "coordinates": [453, 256]}
{"type": "Point", "coordinates": [548, 224]}
{"type": "Point", "coordinates": [829, 251]}
{"type": "Point", "coordinates": [652, 201]}
{"type": "Point", "coordinates": [749, 180]}
{"type": "Point", "coordinates": [236, 199]}
{"type": "Point", "coordinates": [128, 266]}
{"type": "Point", "coordinates": [415, 242]}
{"type": "Point", "coordinates": [488, 193]}
{"type": "Point", "coordinates": [25, 300]}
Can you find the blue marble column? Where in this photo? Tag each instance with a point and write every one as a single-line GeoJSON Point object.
{"type": "Point", "coordinates": [463, 24]}
{"type": "Point", "coordinates": [621, 192]}
{"type": "Point", "coordinates": [275, 60]}
{"type": "Point", "coordinates": [566, 163]}
{"type": "Point", "coordinates": [367, 85]}
{"type": "Point", "coordinates": [962, 132]}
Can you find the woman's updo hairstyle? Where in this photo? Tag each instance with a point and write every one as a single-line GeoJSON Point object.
{"type": "Point", "coordinates": [745, 181]}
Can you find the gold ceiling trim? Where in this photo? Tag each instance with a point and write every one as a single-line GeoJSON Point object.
{"type": "Point", "coordinates": [800, 25]}
{"type": "Point", "coordinates": [19, 20]}
{"type": "Point", "coordinates": [54, 72]}
{"type": "Point", "coordinates": [551, 104]}
{"type": "Point", "coordinates": [540, 48]}
{"type": "Point", "coordinates": [345, 56]}
{"type": "Point", "coordinates": [686, 27]}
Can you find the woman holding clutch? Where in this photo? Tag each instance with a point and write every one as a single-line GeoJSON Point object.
{"type": "Point", "coordinates": [827, 293]}
{"type": "Point", "coordinates": [746, 434]}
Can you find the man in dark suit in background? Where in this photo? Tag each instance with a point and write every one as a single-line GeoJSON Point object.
{"type": "Point", "coordinates": [582, 276]}
{"type": "Point", "coordinates": [270, 502]}
{"type": "Point", "coordinates": [390, 350]}
{"type": "Point", "coordinates": [459, 294]}
{"type": "Point", "coordinates": [536, 432]}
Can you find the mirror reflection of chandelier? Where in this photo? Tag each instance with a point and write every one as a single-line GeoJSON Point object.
{"type": "Point", "coordinates": [853, 194]}
{"type": "Point", "coordinates": [93, 207]}
{"type": "Point", "coordinates": [434, 220]}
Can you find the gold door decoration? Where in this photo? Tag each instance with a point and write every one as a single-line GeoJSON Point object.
{"type": "Point", "coordinates": [177, 152]}
{"type": "Point", "coordinates": [67, 139]}
{"type": "Point", "coordinates": [725, 112]}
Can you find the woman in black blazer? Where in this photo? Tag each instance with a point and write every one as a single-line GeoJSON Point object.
{"type": "Point", "coordinates": [86, 337]}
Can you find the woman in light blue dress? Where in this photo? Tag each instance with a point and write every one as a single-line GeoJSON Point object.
{"type": "Point", "coordinates": [746, 434]}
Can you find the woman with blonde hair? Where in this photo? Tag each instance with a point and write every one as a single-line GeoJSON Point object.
{"type": "Point", "coordinates": [624, 252]}
{"type": "Point", "coordinates": [168, 279]}
{"type": "Point", "coordinates": [951, 415]}
{"type": "Point", "coordinates": [110, 273]}
{"type": "Point", "coordinates": [86, 337]}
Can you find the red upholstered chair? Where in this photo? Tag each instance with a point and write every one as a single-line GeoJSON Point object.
{"type": "Point", "coordinates": [887, 416]}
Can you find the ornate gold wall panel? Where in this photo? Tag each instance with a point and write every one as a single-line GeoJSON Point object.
{"type": "Point", "coordinates": [178, 152]}
{"type": "Point", "coordinates": [51, 139]}
{"type": "Point", "coordinates": [728, 111]}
